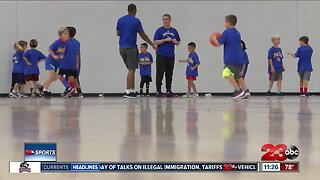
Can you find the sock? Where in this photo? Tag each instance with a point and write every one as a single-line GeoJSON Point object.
{"type": "Point", "coordinates": [132, 90]}
{"type": "Point", "coordinates": [65, 83]}
{"type": "Point", "coordinates": [72, 84]}
{"type": "Point", "coordinates": [128, 91]}
{"type": "Point", "coordinates": [305, 90]}
{"type": "Point", "coordinates": [301, 90]}
{"type": "Point", "coordinates": [79, 90]}
{"type": "Point", "coordinates": [44, 89]}
{"type": "Point", "coordinates": [14, 91]}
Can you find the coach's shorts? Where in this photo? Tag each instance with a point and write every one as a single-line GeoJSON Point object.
{"type": "Point", "coordinates": [232, 70]}
{"type": "Point", "coordinates": [31, 77]}
{"type": "Point", "coordinates": [305, 75]}
{"type": "Point", "coordinates": [52, 66]}
{"type": "Point", "coordinates": [18, 78]}
{"type": "Point", "coordinates": [191, 78]}
{"type": "Point", "coordinates": [68, 72]}
{"type": "Point", "coordinates": [130, 57]}
{"type": "Point", "coordinates": [146, 79]}
{"type": "Point", "coordinates": [275, 76]}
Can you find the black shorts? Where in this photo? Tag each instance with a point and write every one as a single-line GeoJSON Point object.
{"type": "Point", "coordinates": [68, 72]}
{"type": "Point", "coordinates": [31, 77]}
{"type": "Point", "coordinates": [18, 78]}
{"type": "Point", "coordinates": [146, 79]}
{"type": "Point", "coordinates": [130, 57]}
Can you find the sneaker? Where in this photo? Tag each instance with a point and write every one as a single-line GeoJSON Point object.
{"type": "Point", "coordinates": [159, 94]}
{"type": "Point", "coordinates": [68, 92]}
{"type": "Point", "coordinates": [130, 96]}
{"type": "Point", "coordinates": [302, 95]}
{"type": "Point", "coordinates": [13, 95]}
{"type": "Point", "coordinates": [141, 94]}
{"type": "Point", "coordinates": [45, 94]}
{"type": "Point", "coordinates": [280, 94]}
{"type": "Point", "coordinates": [307, 95]}
{"type": "Point", "coordinates": [237, 94]}
{"type": "Point", "coordinates": [40, 88]}
{"type": "Point", "coordinates": [147, 94]}
{"type": "Point", "coordinates": [195, 95]}
{"type": "Point", "coordinates": [22, 95]}
{"type": "Point", "coordinates": [246, 94]}
{"type": "Point", "coordinates": [79, 95]}
{"type": "Point", "coordinates": [269, 94]}
{"type": "Point", "coordinates": [186, 95]}
{"type": "Point", "coordinates": [170, 94]}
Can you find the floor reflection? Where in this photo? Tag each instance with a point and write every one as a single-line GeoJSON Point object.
{"type": "Point", "coordinates": [192, 128]}
{"type": "Point", "coordinates": [276, 117]}
{"type": "Point", "coordinates": [305, 132]}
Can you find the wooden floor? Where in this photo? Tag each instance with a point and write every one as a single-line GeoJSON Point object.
{"type": "Point", "coordinates": [150, 129]}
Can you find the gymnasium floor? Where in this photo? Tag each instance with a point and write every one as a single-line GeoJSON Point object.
{"type": "Point", "coordinates": [150, 129]}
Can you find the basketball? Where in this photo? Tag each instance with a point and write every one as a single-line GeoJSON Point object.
{"type": "Point", "coordinates": [215, 35]}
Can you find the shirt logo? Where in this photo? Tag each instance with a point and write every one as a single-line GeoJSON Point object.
{"type": "Point", "coordinates": [278, 56]}
{"type": "Point", "coordinates": [168, 33]}
{"type": "Point", "coordinates": [145, 59]}
{"type": "Point", "coordinates": [60, 52]}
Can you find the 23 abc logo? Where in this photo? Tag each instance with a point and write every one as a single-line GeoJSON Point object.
{"type": "Point", "coordinates": [280, 152]}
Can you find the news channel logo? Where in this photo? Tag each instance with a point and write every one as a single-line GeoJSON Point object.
{"type": "Point", "coordinates": [40, 152]}
{"type": "Point", "coordinates": [280, 152]}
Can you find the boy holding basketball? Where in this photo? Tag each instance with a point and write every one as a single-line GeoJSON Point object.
{"type": "Point", "coordinates": [32, 58]}
{"type": "Point", "coordinates": [233, 57]}
{"type": "Point", "coordinates": [145, 61]}
{"type": "Point", "coordinates": [192, 70]}
{"type": "Point", "coordinates": [57, 51]}
{"type": "Point", "coordinates": [275, 65]}
{"type": "Point", "coordinates": [304, 53]}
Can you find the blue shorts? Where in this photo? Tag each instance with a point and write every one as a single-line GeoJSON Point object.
{"type": "Point", "coordinates": [52, 66]}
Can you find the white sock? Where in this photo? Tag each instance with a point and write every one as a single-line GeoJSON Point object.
{"type": "Point", "coordinates": [44, 89]}
{"type": "Point", "coordinates": [128, 91]}
{"type": "Point", "coordinates": [132, 90]}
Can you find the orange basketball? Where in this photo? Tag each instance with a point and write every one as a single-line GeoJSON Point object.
{"type": "Point", "coordinates": [215, 35]}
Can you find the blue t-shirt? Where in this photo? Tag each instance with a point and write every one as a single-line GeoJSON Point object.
{"type": "Point", "coordinates": [59, 49]}
{"type": "Point", "coordinates": [33, 56]}
{"type": "Point", "coordinates": [304, 53]}
{"type": "Point", "coordinates": [166, 49]}
{"type": "Point", "coordinates": [18, 62]}
{"type": "Point", "coordinates": [70, 58]}
{"type": "Point", "coordinates": [245, 57]}
{"type": "Point", "coordinates": [128, 27]}
{"type": "Point", "coordinates": [275, 54]}
{"type": "Point", "coordinates": [145, 70]}
{"type": "Point", "coordinates": [231, 39]}
{"type": "Point", "coordinates": [193, 60]}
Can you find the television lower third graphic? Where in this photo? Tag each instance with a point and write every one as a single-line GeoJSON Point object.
{"type": "Point", "coordinates": [40, 152]}
{"type": "Point", "coordinates": [25, 167]}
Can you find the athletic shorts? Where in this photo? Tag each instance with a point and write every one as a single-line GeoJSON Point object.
{"type": "Point", "coordinates": [18, 78]}
{"type": "Point", "coordinates": [130, 57]}
{"type": "Point", "coordinates": [68, 72]}
{"type": "Point", "coordinates": [244, 68]}
{"type": "Point", "coordinates": [305, 75]}
{"type": "Point", "coordinates": [232, 70]}
{"type": "Point", "coordinates": [191, 78]}
{"type": "Point", "coordinates": [275, 76]}
{"type": "Point", "coordinates": [146, 79]}
{"type": "Point", "coordinates": [52, 66]}
{"type": "Point", "coordinates": [31, 77]}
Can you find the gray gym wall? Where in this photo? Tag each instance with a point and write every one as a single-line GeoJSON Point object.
{"type": "Point", "coordinates": [102, 67]}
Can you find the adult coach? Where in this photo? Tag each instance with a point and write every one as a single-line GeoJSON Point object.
{"type": "Point", "coordinates": [166, 38]}
{"type": "Point", "coordinates": [128, 27]}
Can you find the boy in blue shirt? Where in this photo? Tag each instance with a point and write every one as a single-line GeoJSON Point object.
{"type": "Point", "coordinates": [275, 65]}
{"type": "Point", "coordinates": [304, 53]}
{"type": "Point", "coordinates": [245, 65]}
{"type": "Point", "coordinates": [57, 51]}
{"type": "Point", "coordinates": [145, 61]}
{"type": "Point", "coordinates": [32, 58]}
{"type": "Point", "coordinates": [69, 65]}
{"type": "Point", "coordinates": [192, 70]}
{"type": "Point", "coordinates": [18, 79]}
{"type": "Point", "coordinates": [233, 57]}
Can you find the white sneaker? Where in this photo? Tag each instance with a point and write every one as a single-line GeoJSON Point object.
{"type": "Point", "coordinates": [195, 95]}
{"type": "Point", "coordinates": [22, 95]}
{"type": "Point", "coordinates": [13, 95]}
{"type": "Point", "coordinates": [186, 95]}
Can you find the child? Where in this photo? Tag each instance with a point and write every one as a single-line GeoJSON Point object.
{"type": "Point", "coordinates": [304, 53]}
{"type": "Point", "coordinates": [72, 33]}
{"type": "Point", "coordinates": [145, 61]}
{"type": "Point", "coordinates": [275, 65]}
{"type": "Point", "coordinates": [18, 79]}
{"type": "Point", "coordinates": [245, 64]}
{"type": "Point", "coordinates": [192, 70]}
{"type": "Point", "coordinates": [233, 57]}
{"type": "Point", "coordinates": [56, 53]}
{"type": "Point", "coordinates": [32, 58]}
{"type": "Point", "coordinates": [70, 63]}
